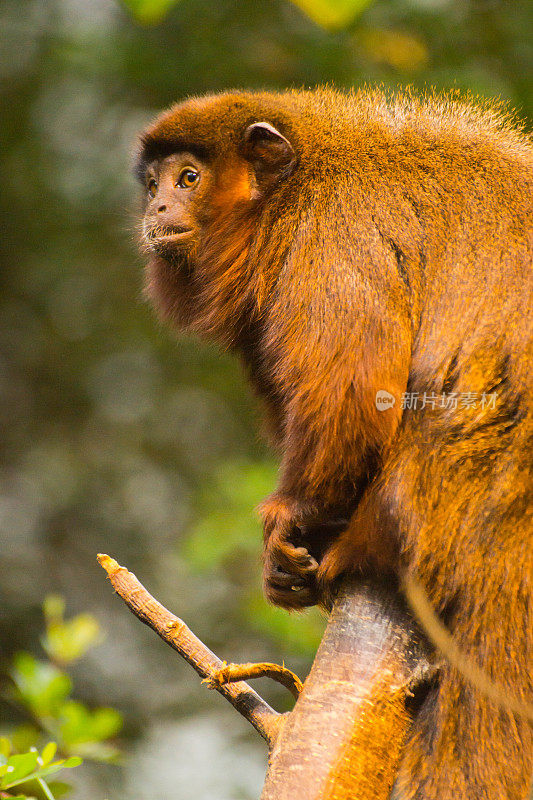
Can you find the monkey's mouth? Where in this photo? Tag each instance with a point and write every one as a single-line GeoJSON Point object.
{"type": "Point", "coordinates": [162, 236]}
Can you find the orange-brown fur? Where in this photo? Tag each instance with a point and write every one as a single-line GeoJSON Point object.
{"type": "Point", "coordinates": [395, 254]}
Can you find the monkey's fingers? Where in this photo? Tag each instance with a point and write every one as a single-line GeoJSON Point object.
{"type": "Point", "coordinates": [288, 589]}
{"type": "Point", "coordinates": [285, 580]}
{"type": "Point", "coordinates": [296, 560]}
{"type": "Point", "coordinates": [292, 597]}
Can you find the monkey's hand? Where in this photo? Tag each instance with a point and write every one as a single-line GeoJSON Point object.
{"type": "Point", "coordinates": [289, 570]}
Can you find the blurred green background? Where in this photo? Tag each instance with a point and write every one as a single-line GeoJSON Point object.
{"type": "Point", "coordinates": [117, 436]}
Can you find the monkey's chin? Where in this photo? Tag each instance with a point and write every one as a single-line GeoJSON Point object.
{"type": "Point", "coordinates": [173, 247]}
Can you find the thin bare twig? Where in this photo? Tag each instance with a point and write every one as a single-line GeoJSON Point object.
{"type": "Point", "coordinates": [175, 633]}
{"type": "Point", "coordinates": [230, 673]}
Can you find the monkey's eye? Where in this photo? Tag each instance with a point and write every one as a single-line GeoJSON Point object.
{"type": "Point", "coordinates": [152, 187]}
{"type": "Point", "coordinates": [188, 178]}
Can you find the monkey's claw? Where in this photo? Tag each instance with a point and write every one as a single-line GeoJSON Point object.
{"type": "Point", "coordinates": [290, 577]}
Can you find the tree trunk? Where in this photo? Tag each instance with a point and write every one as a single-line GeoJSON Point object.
{"type": "Point", "coordinates": [343, 739]}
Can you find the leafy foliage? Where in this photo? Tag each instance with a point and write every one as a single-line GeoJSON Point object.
{"type": "Point", "coordinates": [27, 771]}
{"type": "Point", "coordinates": [332, 14]}
{"type": "Point", "coordinates": [43, 691]}
{"type": "Point", "coordinates": [66, 641]}
{"type": "Point", "coordinates": [149, 11]}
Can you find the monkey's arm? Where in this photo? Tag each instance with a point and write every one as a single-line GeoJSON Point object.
{"type": "Point", "coordinates": [318, 489]}
{"type": "Point", "coordinates": [352, 342]}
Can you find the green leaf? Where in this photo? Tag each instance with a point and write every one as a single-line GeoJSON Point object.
{"type": "Point", "coordinates": [5, 746]}
{"type": "Point", "coordinates": [68, 763]}
{"type": "Point", "coordinates": [333, 14]}
{"type": "Point", "coordinates": [98, 751]}
{"type": "Point", "coordinates": [80, 724]}
{"type": "Point", "coordinates": [54, 608]}
{"type": "Point", "coordinates": [40, 685]}
{"type": "Point", "coordinates": [73, 761]}
{"type": "Point", "coordinates": [49, 751]}
{"type": "Point", "coordinates": [39, 774]}
{"type": "Point", "coordinates": [69, 641]}
{"type": "Point", "coordinates": [150, 12]}
{"type": "Point", "coordinates": [17, 768]}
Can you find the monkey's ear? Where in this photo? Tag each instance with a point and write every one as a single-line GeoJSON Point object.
{"type": "Point", "coordinates": [269, 152]}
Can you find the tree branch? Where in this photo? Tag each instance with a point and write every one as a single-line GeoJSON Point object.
{"type": "Point", "coordinates": [175, 633]}
{"type": "Point", "coordinates": [230, 673]}
{"type": "Point", "coordinates": [345, 736]}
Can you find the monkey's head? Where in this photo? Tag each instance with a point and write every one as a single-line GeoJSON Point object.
{"type": "Point", "coordinates": [213, 171]}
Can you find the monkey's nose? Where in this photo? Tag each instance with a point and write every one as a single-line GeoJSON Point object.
{"type": "Point", "coordinates": [161, 209]}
